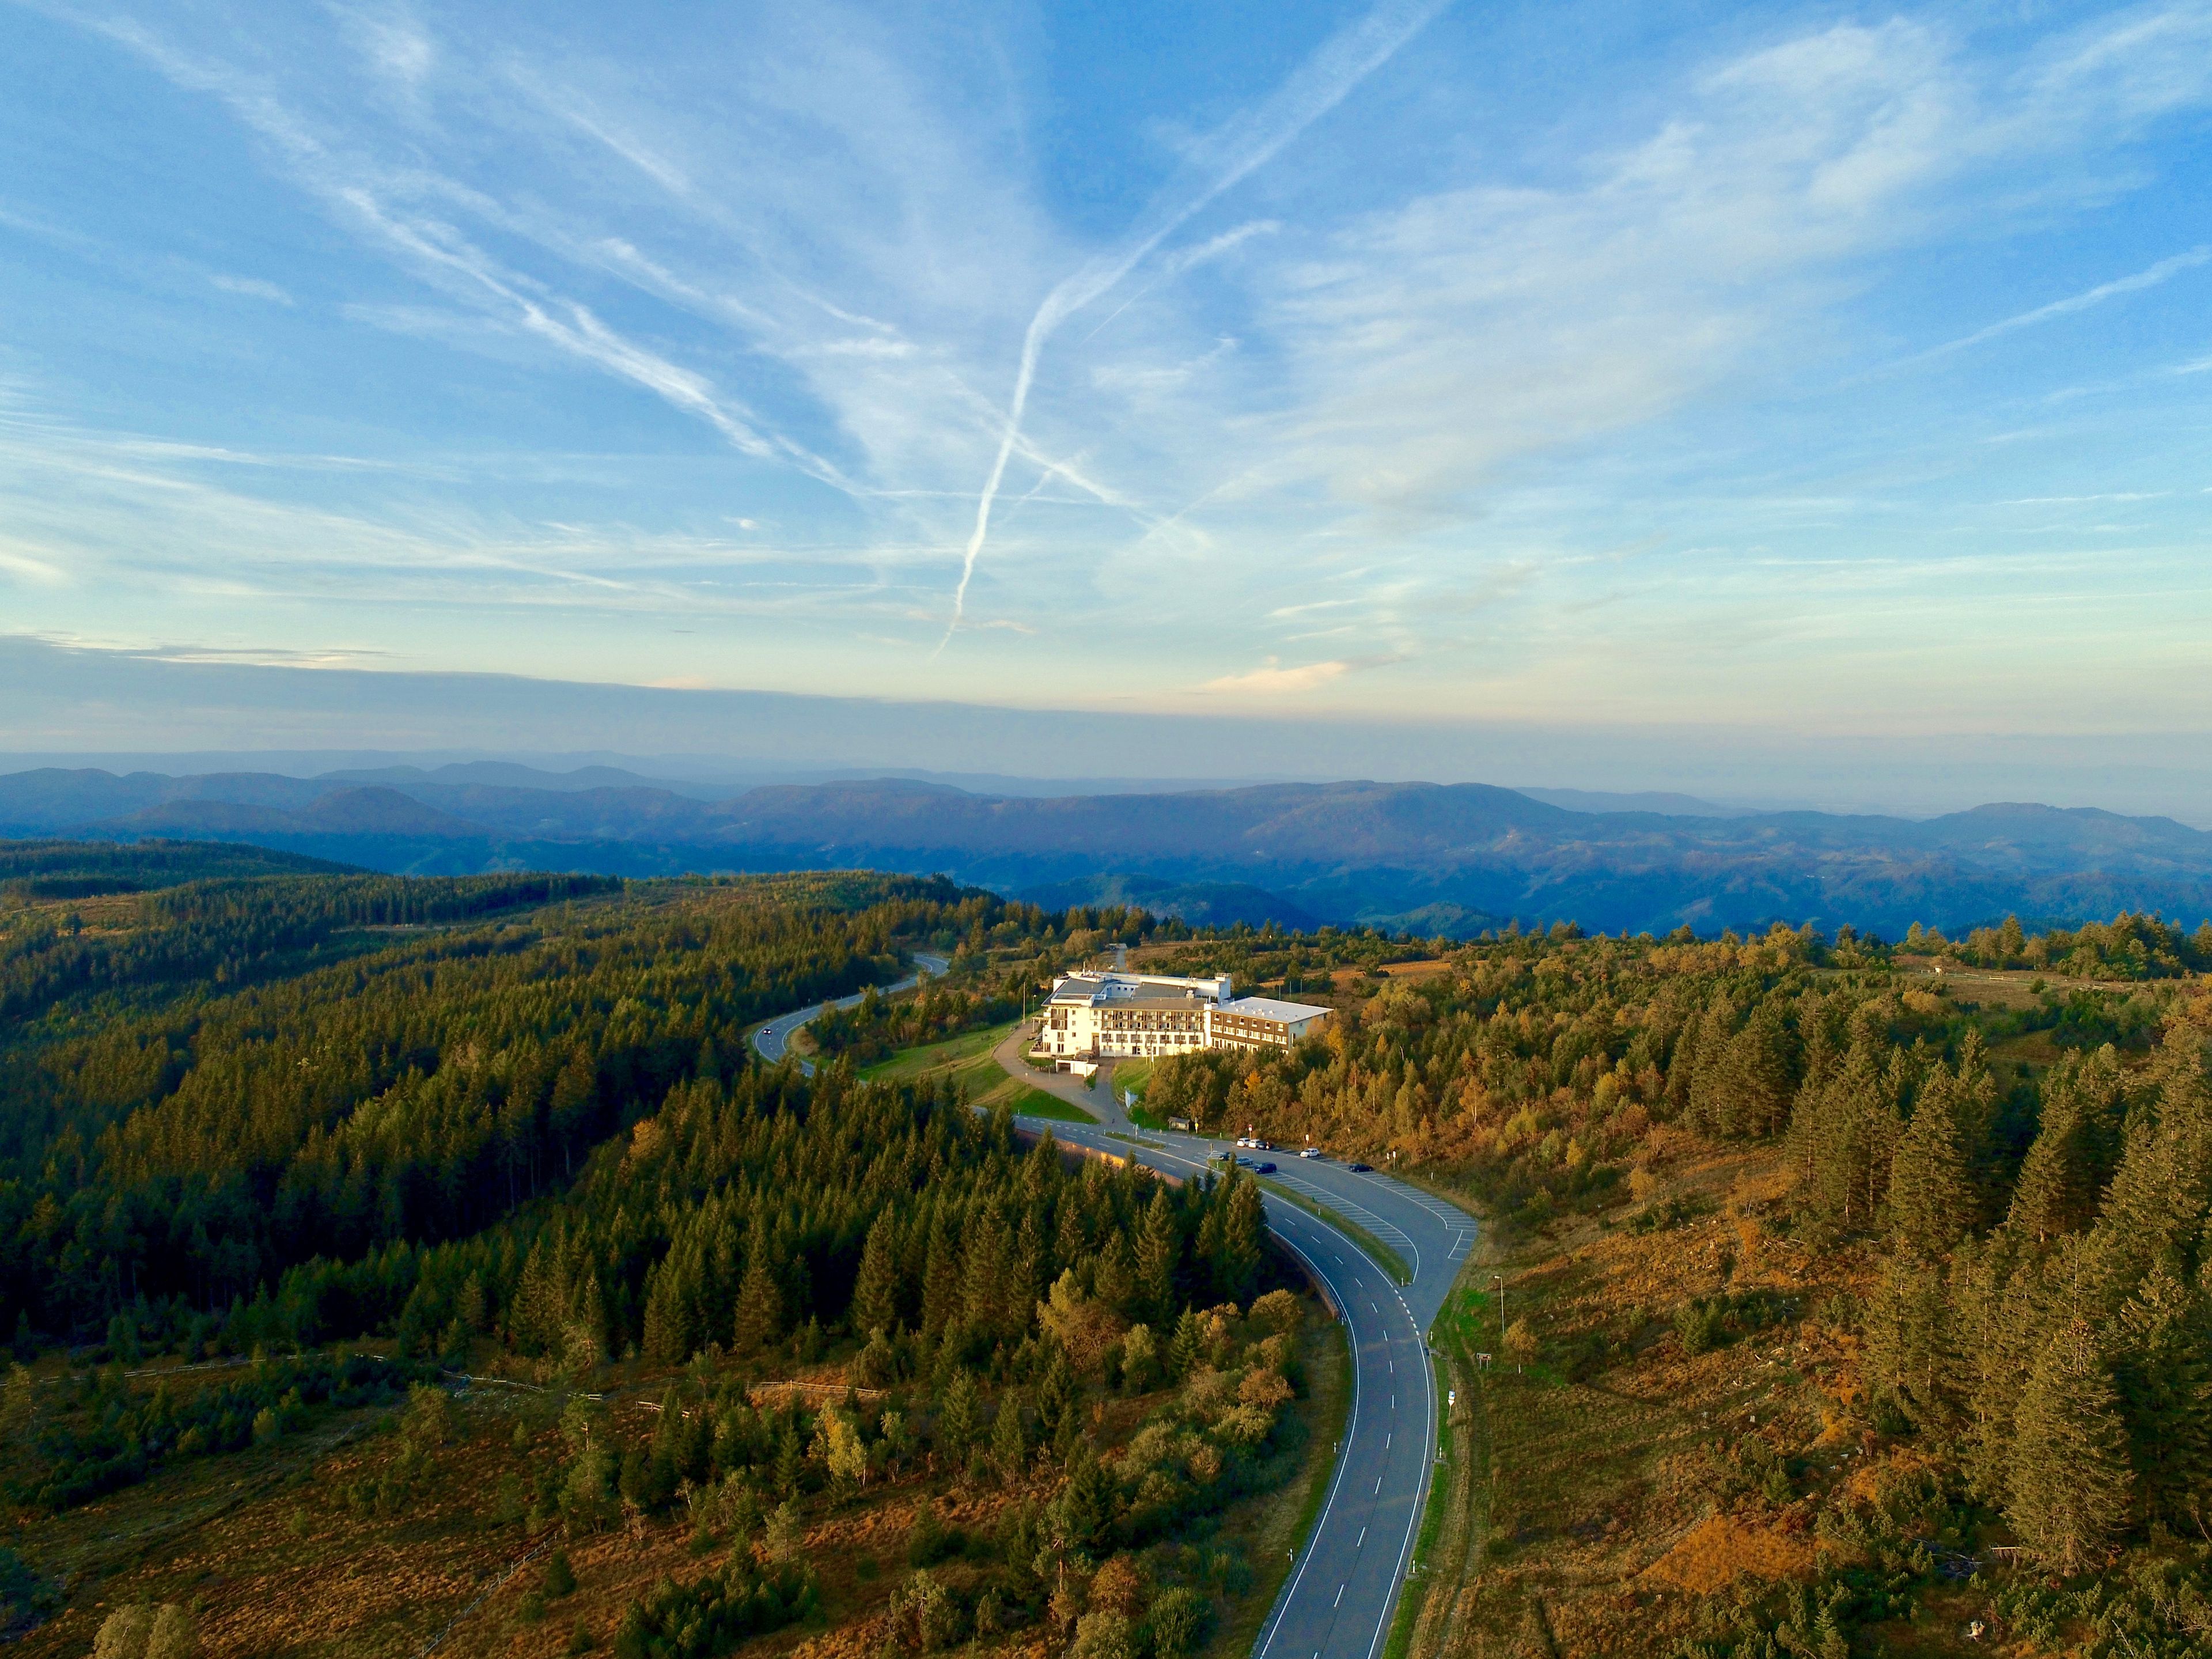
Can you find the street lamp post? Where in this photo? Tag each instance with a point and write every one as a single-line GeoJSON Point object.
{"type": "Point", "coordinates": [1498, 1279]}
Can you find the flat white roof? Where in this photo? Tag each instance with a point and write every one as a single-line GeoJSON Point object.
{"type": "Point", "coordinates": [1139, 989]}
{"type": "Point", "coordinates": [1288, 1013]}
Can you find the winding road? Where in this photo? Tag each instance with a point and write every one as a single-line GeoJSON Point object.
{"type": "Point", "coordinates": [773, 1039]}
{"type": "Point", "coordinates": [1339, 1598]}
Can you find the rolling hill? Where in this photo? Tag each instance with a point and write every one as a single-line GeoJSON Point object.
{"type": "Point", "coordinates": [1427, 858]}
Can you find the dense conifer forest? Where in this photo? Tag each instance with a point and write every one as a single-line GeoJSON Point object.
{"type": "Point", "coordinates": [291, 1155]}
{"type": "Point", "coordinates": [302, 1146]}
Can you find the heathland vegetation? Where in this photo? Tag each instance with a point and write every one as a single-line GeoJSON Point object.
{"type": "Point", "coordinates": [1864, 1290]}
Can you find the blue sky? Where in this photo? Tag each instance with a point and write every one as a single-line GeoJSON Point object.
{"type": "Point", "coordinates": [1807, 371]}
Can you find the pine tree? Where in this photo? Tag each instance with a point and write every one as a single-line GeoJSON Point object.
{"type": "Point", "coordinates": [1931, 1203]}
{"type": "Point", "coordinates": [957, 1417]}
{"type": "Point", "coordinates": [2164, 1372]}
{"type": "Point", "coordinates": [667, 1315]}
{"type": "Point", "coordinates": [1752, 1093]}
{"type": "Point", "coordinates": [2056, 1192]}
{"type": "Point", "coordinates": [759, 1322]}
{"type": "Point", "coordinates": [1010, 1441]}
{"type": "Point", "coordinates": [1158, 1247]}
{"type": "Point", "coordinates": [1237, 1266]}
{"type": "Point", "coordinates": [875, 1292]}
{"type": "Point", "coordinates": [2070, 1481]}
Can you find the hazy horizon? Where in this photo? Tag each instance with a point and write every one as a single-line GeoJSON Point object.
{"type": "Point", "coordinates": [80, 705]}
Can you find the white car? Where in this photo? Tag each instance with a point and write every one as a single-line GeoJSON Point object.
{"type": "Point", "coordinates": [1246, 1140]}
{"type": "Point", "coordinates": [1310, 1151]}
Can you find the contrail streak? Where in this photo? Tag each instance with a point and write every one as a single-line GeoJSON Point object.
{"type": "Point", "coordinates": [1316, 86]}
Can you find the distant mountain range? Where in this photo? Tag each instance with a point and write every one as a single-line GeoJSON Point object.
{"type": "Point", "coordinates": [1425, 858]}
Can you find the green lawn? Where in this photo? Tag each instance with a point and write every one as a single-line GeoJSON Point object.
{"type": "Point", "coordinates": [1026, 1102]}
{"type": "Point", "coordinates": [966, 1059]}
{"type": "Point", "coordinates": [967, 1056]}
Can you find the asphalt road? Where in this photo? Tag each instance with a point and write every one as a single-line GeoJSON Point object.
{"type": "Point", "coordinates": [773, 1039]}
{"type": "Point", "coordinates": [1337, 1601]}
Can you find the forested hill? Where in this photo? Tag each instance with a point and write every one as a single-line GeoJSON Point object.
{"type": "Point", "coordinates": [209, 1083]}
{"type": "Point", "coordinates": [1423, 858]}
{"type": "Point", "coordinates": [1879, 1272]}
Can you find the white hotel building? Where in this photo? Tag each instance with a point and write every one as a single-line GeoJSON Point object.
{"type": "Point", "coordinates": [1109, 1016]}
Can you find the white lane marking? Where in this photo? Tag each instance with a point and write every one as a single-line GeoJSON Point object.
{"type": "Point", "coordinates": [1420, 1502]}
{"type": "Point", "coordinates": [1340, 1596]}
{"type": "Point", "coordinates": [1421, 1493]}
{"type": "Point", "coordinates": [1378, 1484]}
{"type": "Point", "coordinates": [1361, 1544]}
{"type": "Point", "coordinates": [1387, 1439]}
{"type": "Point", "coordinates": [1343, 1462]}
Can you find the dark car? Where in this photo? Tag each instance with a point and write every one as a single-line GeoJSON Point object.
{"type": "Point", "coordinates": [1360, 1169]}
{"type": "Point", "coordinates": [1266, 1169]}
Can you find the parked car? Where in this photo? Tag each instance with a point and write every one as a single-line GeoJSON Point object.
{"type": "Point", "coordinates": [1310, 1151]}
{"type": "Point", "coordinates": [1359, 1168]}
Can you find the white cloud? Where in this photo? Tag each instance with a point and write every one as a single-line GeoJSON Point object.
{"type": "Point", "coordinates": [1274, 681]}
{"type": "Point", "coordinates": [2151, 276]}
{"type": "Point", "coordinates": [254, 287]}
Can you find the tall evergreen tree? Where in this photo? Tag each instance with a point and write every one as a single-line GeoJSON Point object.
{"type": "Point", "coordinates": [759, 1322]}
{"type": "Point", "coordinates": [1931, 1201]}
{"type": "Point", "coordinates": [1158, 1248]}
{"type": "Point", "coordinates": [1751, 1094]}
{"type": "Point", "coordinates": [875, 1291]}
{"type": "Point", "coordinates": [2071, 1484]}
{"type": "Point", "coordinates": [2164, 1372]}
{"type": "Point", "coordinates": [2056, 1192]}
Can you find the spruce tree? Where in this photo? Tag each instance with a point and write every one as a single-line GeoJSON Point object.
{"type": "Point", "coordinates": [2156, 1208]}
{"type": "Point", "coordinates": [875, 1291]}
{"type": "Point", "coordinates": [957, 1417]}
{"type": "Point", "coordinates": [1158, 1247]}
{"type": "Point", "coordinates": [2164, 1372]}
{"type": "Point", "coordinates": [667, 1316]}
{"type": "Point", "coordinates": [2056, 1192]}
{"type": "Point", "coordinates": [985, 1274]}
{"type": "Point", "coordinates": [1010, 1440]}
{"type": "Point", "coordinates": [1752, 1092]}
{"type": "Point", "coordinates": [1931, 1202]}
{"type": "Point", "coordinates": [1186, 1345]}
{"type": "Point", "coordinates": [1908, 1346]}
{"type": "Point", "coordinates": [2071, 1484]}
{"type": "Point", "coordinates": [759, 1322]}
{"type": "Point", "coordinates": [1244, 1219]}
{"type": "Point", "coordinates": [940, 1284]}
